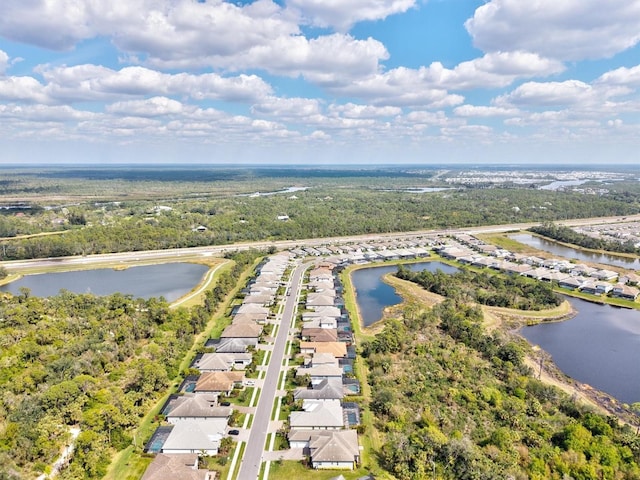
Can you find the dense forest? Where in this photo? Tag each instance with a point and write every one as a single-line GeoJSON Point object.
{"type": "Point", "coordinates": [453, 402]}
{"type": "Point", "coordinates": [96, 363]}
{"type": "Point", "coordinates": [90, 227]}
{"type": "Point", "coordinates": [568, 235]}
{"type": "Point", "coordinates": [496, 290]}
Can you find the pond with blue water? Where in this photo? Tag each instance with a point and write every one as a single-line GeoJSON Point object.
{"type": "Point", "coordinates": [373, 295]}
{"type": "Point", "coordinates": [168, 280]}
{"type": "Point", "coordinates": [599, 346]}
{"type": "Point", "coordinates": [574, 254]}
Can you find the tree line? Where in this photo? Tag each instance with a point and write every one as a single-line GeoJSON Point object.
{"type": "Point", "coordinates": [320, 212]}
{"type": "Point", "coordinates": [454, 402]}
{"type": "Point", "coordinates": [492, 289]}
{"type": "Point", "coordinates": [98, 363]}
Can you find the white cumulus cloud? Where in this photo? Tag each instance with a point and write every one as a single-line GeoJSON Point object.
{"type": "Point", "coordinates": [621, 76]}
{"type": "Point", "coordinates": [152, 107]}
{"type": "Point", "coordinates": [342, 15]}
{"type": "Point", "coordinates": [564, 30]}
{"type": "Point", "coordinates": [4, 62]}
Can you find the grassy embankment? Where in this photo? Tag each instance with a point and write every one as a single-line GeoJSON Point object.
{"type": "Point", "coordinates": [130, 463]}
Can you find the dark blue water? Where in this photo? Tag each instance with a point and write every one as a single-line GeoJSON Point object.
{"type": "Point", "coordinates": [571, 253]}
{"type": "Point", "coordinates": [169, 280]}
{"type": "Point", "coordinates": [600, 346]}
{"type": "Point", "coordinates": [373, 295]}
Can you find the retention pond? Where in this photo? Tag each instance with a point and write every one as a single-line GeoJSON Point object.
{"type": "Point", "coordinates": [168, 280]}
{"type": "Point", "coordinates": [600, 346]}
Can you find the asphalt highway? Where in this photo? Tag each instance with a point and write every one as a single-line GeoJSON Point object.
{"type": "Point", "coordinates": [185, 254]}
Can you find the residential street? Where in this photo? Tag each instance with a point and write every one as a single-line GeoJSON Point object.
{"type": "Point", "coordinates": [250, 466]}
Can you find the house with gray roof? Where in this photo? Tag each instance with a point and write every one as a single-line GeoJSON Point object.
{"type": "Point", "coordinates": [221, 362]}
{"type": "Point", "coordinates": [327, 389]}
{"type": "Point", "coordinates": [197, 406]}
{"type": "Point", "coordinates": [196, 436]}
{"type": "Point", "coordinates": [321, 322]}
{"type": "Point", "coordinates": [230, 345]}
{"type": "Point", "coordinates": [334, 449]}
{"type": "Point", "coordinates": [318, 415]}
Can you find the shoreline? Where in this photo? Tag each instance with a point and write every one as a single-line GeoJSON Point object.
{"type": "Point", "coordinates": [494, 318]}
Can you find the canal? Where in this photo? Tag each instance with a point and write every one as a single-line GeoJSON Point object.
{"type": "Point", "coordinates": [575, 254]}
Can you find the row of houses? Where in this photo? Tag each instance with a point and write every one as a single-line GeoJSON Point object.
{"type": "Point", "coordinates": [197, 419]}
{"type": "Point", "coordinates": [372, 251]}
{"type": "Point", "coordinates": [322, 427]}
{"type": "Point", "coordinates": [472, 251]}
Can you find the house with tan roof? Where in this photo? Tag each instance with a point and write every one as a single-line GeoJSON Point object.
{"type": "Point", "coordinates": [322, 312]}
{"type": "Point", "coordinates": [252, 308]}
{"type": "Point", "coordinates": [319, 334]}
{"type": "Point", "coordinates": [172, 466]}
{"type": "Point", "coordinates": [337, 349]}
{"type": "Point", "coordinates": [631, 278]}
{"type": "Point", "coordinates": [625, 291]}
{"type": "Point", "coordinates": [242, 330]}
{"type": "Point", "coordinates": [259, 299]}
{"type": "Point", "coordinates": [320, 300]}
{"type": "Point", "coordinates": [259, 318]}
{"type": "Point", "coordinates": [334, 450]}
{"type": "Point", "coordinates": [219, 382]}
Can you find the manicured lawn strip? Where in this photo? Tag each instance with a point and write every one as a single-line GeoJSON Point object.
{"type": "Point", "coordinates": [289, 469]}
{"type": "Point", "coordinates": [618, 302]}
{"type": "Point", "coordinates": [208, 282]}
{"type": "Point", "coordinates": [236, 470]}
{"type": "Point", "coordinates": [129, 466]}
{"type": "Point", "coordinates": [243, 397]}
{"type": "Point", "coordinates": [503, 241]}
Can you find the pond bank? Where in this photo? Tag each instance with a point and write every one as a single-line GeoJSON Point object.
{"type": "Point", "coordinates": [509, 321]}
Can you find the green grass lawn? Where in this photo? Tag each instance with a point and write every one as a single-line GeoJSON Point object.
{"type": "Point", "coordinates": [288, 470]}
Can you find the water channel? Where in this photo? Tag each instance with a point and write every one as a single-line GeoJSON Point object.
{"type": "Point", "coordinates": [169, 280]}
{"type": "Point", "coordinates": [571, 253]}
{"type": "Point", "coordinates": [600, 346]}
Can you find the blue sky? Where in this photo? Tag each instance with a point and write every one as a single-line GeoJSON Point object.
{"type": "Point", "coordinates": [319, 81]}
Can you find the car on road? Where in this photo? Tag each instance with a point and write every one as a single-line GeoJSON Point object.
{"type": "Point", "coordinates": [234, 432]}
